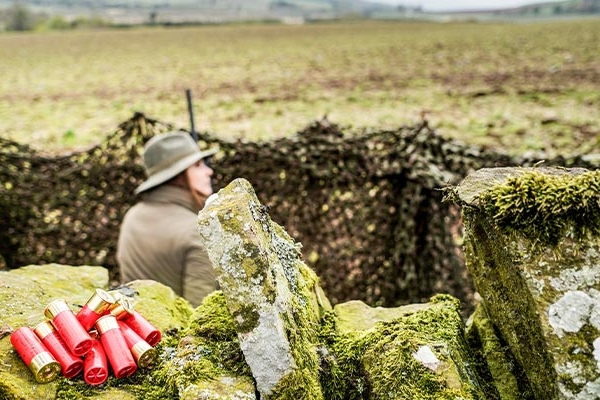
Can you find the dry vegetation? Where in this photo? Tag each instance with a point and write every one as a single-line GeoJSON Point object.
{"type": "Point", "coordinates": [520, 87]}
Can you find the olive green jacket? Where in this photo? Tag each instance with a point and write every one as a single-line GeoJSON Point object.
{"type": "Point", "coordinates": [159, 240]}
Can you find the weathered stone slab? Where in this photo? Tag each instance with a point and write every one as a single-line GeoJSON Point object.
{"type": "Point", "coordinates": [271, 293]}
{"type": "Point", "coordinates": [355, 315]}
{"type": "Point", "coordinates": [417, 351]}
{"type": "Point", "coordinates": [25, 292]}
{"type": "Point", "coordinates": [532, 246]}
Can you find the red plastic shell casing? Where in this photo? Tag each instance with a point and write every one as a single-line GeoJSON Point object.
{"type": "Point", "coordinates": [143, 328]}
{"type": "Point", "coordinates": [94, 308]}
{"type": "Point", "coordinates": [123, 311]}
{"type": "Point", "coordinates": [143, 354]}
{"type": "Point", "coordinates": [35, 355]}
{"type": "Point", "coordinates": [70, 364]}
{"type": "Point", "coordinates": [75, 336]}
{"type": "Point", "coordinates": [114, 344]}
{"type": "Point", "coordinates": [95, 365]}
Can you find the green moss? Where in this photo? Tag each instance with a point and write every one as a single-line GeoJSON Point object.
{"type": "Point", "coordinates": [145, 384]}
{"type": "Point", "coordinates": [74, 389]}
{"type": "Point", "coordinates": [502, 376]}
{"type": "Point", "coordinates": [303, 381]}
{"type": "Point", "coordinates": [339, 380]}
{"type": "Point", "coordinates": [546, 208]}
{"type": "Point", "coordinates": [506, 295]}
{"type": "Point", "coordinates": [302, 334]}
{"type": "Point", "coordinates": [212, 319]}
{"type": "Point", "coordinates": [212, 331]}
{"type": "Point", "coordinates": [379, 362]}
{"type": "Point", "coordinates": [445, 299]}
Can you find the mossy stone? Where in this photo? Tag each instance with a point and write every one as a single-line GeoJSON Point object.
{"type": "Point", "coordinates": [273, 296]}
{"type": "Point", "coordinates": [413, 352]}
{"type": "Point", "coordinates": [532, 246]}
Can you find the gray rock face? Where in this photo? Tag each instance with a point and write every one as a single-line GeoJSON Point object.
{"type": "Point", "coordinates": [533, 250]}
{"type": "Point", "coordinates": [268, 288]}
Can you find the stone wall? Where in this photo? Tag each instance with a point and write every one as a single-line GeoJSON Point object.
{"type": "Point", "coordinates": [271, 332]}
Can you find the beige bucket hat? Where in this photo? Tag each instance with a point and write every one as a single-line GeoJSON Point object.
{"type": "Point", "coordinates": [168, 154]}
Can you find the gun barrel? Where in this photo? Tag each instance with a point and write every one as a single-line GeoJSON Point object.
{"type": "Point", "coordinates": [188, 94]}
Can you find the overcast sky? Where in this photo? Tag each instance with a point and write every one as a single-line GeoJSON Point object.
{"type": "Point", "coordinates": [445, 5]}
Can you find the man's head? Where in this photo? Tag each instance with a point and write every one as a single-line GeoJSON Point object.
{"type": "Point", "coordinates": [169, 154]}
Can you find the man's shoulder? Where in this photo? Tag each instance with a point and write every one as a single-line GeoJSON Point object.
{"type": "Point", "coordinates": [156, 210]}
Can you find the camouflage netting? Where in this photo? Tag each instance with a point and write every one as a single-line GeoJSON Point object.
{"type": "Point", "coordinates": [367, 207]}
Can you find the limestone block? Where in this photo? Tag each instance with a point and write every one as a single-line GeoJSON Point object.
{"type": "Point", "coordinates": [416, 351]}
{"type": "Point", "coordinates": [532, 246]}
{"type": "Point", "coordinates": [355, 315]}
{"type": "Point", "coordinates": [273, 296]}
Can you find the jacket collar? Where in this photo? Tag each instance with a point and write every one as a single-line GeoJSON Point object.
{"type": "Point", "coordinates": [171, 194]}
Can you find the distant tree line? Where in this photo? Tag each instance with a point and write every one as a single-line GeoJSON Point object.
{"type": "Point", "coordinates": [18, 17]}
{"type": "Point", "coordinates": [545, 9]}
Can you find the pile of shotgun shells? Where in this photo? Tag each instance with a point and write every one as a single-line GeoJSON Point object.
{"type": "Point", "coordinates": [104, 333]}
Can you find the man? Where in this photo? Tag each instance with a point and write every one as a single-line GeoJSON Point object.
{"type": "Point", "coordinates": [159, 239]}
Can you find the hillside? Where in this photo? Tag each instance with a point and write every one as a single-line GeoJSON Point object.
{"type": "Point", "coordinates": [543, 9]}
{"type": "Point", "coordinates": [291, 11]}
{"type": "Point", "coordinates": [179, 11]}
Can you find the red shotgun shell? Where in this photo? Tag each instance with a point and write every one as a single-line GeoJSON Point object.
{"type": "Point", "coordinates": [68, 327]}
{"type": "Point", "coordinates": [119, 356]}
{"type": "Point", "coordinates": [95, 365]}
{"type": "Point", "coordinates": [142, 327]}
{"type": "Point", "coordinates": [70, 364]}
{"type": "Point", "coordinates": [95, 307]}
{"type": "Point", "coordinates": [36, 356]}
{"type": "Point", "coordinates": [143, 354]}
{"type": "Point", "coordinates": [123, 311]}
